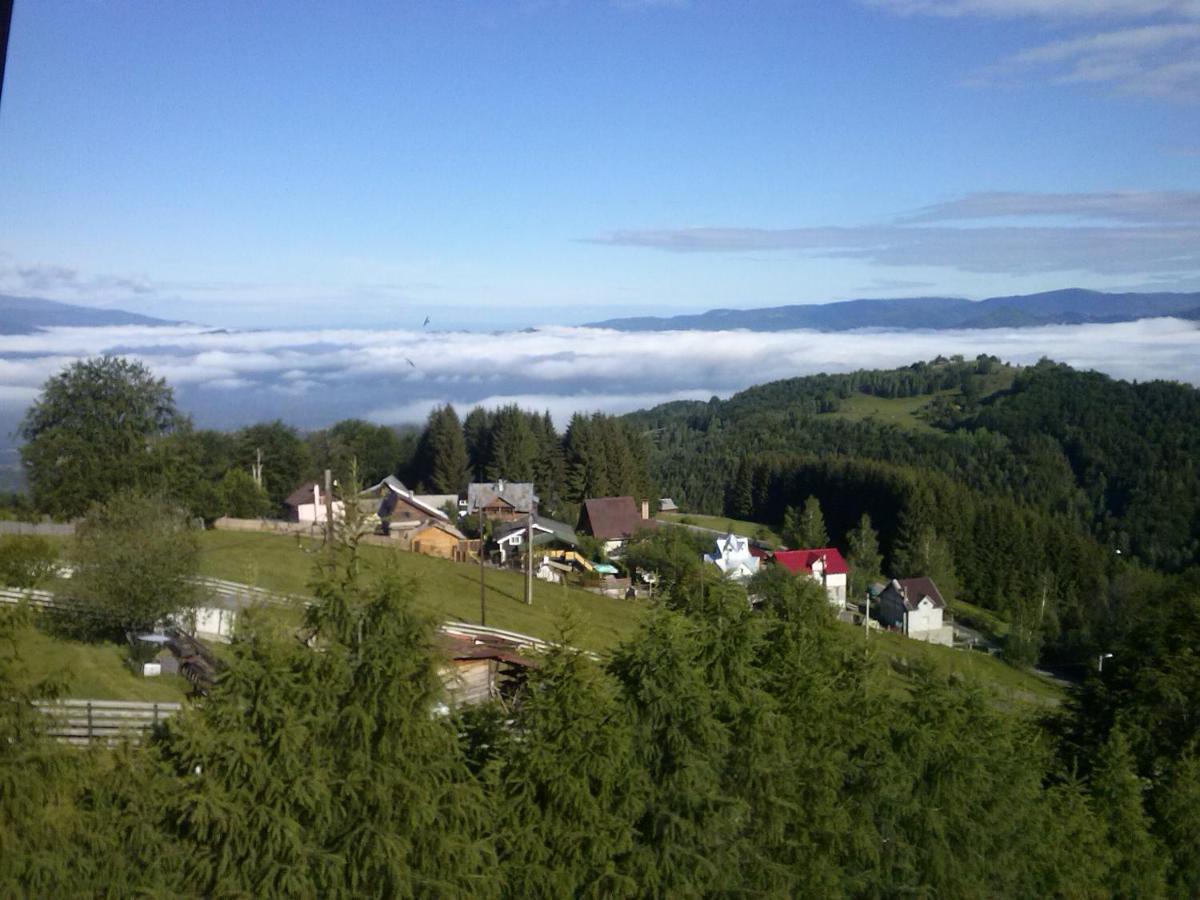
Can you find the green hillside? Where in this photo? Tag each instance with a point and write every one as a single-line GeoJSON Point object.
{"type": "Point", "coordinates": [92, 670]}
{"type": "Point", "coordinates": [285, 564]}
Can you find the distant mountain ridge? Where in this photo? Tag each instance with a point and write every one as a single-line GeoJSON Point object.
{"type": "Point", "coordinates": [24, 315]}
{"type": "Point", "coordinates": [1071, 306]}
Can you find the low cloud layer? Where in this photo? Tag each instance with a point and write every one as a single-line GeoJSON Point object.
{"type": "Point", "coordinates": [313, 378]}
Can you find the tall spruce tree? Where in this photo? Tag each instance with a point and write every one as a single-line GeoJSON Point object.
{"type": "Point", "coordinates": [477, 431]}
{"type": "Point", "coordinates": [568, 786]}
{"type": "Point", "coordinates": [864, 559]}
{"type": "Point", "coordinates": [687, 821]}
{"type": "Point", "coordinates": [449, 465]}
{"type": "Point", "coordinates": [739, 492]}
{"type": "Point", "coordinates": [587, 466]}
{"type": "Point", "coordinates": [1135, 863]}
{"type": "Point", "coordinates": [812, 525]}
{"type": "Point", "coordinates": [514, 446]}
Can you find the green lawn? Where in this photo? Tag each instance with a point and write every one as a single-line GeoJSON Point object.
{"type": "Point", "coordinates": [983, 620]}
{"type": "Point", "coordinates": [285, 564]}
{"type": "Point", "coordinates": [725, 524]}
{"type": "Point", "coordinates": [899, 411]}
{"type": "Point", "coordinates": [94, 671]}
{"type": "Point", "coordinates": [1009, 683]}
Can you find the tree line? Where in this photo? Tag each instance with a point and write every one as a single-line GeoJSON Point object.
{"type": "Point", "coordinates": [108, 424]}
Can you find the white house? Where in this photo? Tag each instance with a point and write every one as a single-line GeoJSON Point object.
{"type": "Point", "coordinates": [307, 504]}
{"type": "Point", "coordinates": [915, 606]}
{"type": "Point", "coordinates": [734, 559]}
{"type": "Point", "coordinates": [824, 565]}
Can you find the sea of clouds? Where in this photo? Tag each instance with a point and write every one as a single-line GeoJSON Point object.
{"type": "Point", "coordinates": [311, 378]}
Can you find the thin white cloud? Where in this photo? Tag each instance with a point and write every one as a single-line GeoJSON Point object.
{"type": "Point", "coordinates": [999, 250]}
{"type": "Point", "coordinates": [1141, 207]}
{"type": "Point", "coordinates": [1043, 9]}
{"type": "Point", "coordinates": [1153, 53]}
{"type": "Point", "coordinates": [47, 279]}
{"type": "Point", "coordinates": [1156, 60]}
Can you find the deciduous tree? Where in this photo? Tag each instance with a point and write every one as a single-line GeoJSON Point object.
{"type": "Point", "coordinates": [134, 556]}
{"type": "Point", "coordinates": [96, 428]}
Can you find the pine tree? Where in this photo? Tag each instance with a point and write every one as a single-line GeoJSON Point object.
{"type": "Point", "coordinates": [514, 447]}
{"type": "Point", "coordinates": [450, 469]}
{"type": "Point", "coordinates": [477, 431]}
{"type": "Point", "coordinates": [568, 786]}
{"type": "Point", "coordinates": [1135, 866]}
{"type": "Point", "coordinates": [549, 466]}
{"type": "Point", "coordinates": [686, 821]}
{"type": "Point", "coordinates": [812, 525]}
{"type": "Point", "coordinates": [921, 552]}
{"type": "Point", "coordinates": [587, 469]}
{"type": "Point", "coordinates": [1177, 822]}
{"type": "Point", "coordinates": [865, 560]}
{"type": "Point", "coordinates": [739, 493]}
{"type": "Point", "coordinates": [790, 530]}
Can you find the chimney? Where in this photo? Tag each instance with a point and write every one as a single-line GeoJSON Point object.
{"type": "Point", "coordinates": [645, 509]}
{"type": "Point", "coordinates": [500, 486]}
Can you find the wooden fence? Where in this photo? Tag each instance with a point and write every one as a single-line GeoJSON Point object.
{"type": "Point", "coordinates": [49, 529]}
{"type": "Point", "coordinates": [36, 599]}
{"type": "Point", "coordinates": [103, 721]}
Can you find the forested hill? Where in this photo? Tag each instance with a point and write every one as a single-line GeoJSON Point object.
{"type": "Point", "coordinates": [1034, 478]}
{"type": "Point", "coordinates": [1072, 306]}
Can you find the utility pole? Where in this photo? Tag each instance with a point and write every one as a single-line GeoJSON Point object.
{"type": "Point", "coordinates": [328, 506]}
{"type": "Point", "coordinates": [482, 588]}
{"type": "Point", "coordinates": [529, 557]}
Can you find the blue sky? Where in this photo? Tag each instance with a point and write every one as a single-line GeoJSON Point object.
{"type": "Point", "coordinates": [513, 163]}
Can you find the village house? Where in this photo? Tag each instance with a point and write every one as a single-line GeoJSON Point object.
{"type": "Point", "coordinates": [437, 538]}
{"type": "Point", "coordinates": [548, 534]}
{"type": "Point", "coordinates": [734, 557]}
{"type": "Point", "coordinates": [308, 504]}
{"type": "Point", "coordinates": [914, 606]}
{"type": "Point", "coordinates": [501, 501]}
{"type": "Point", "coordinates": [824, 565]}
{"type": "Point", "coordinates": [399, 508]}
{"type": "Point", "coordinates": [614, 520]}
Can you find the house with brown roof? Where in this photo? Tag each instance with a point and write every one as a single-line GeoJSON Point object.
{"type": "Point", "coordinates": [614, 520]}
{"type": "Point", "coordinates": [914, 606]}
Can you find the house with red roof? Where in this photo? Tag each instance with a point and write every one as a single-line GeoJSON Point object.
{"type": "Point", "coordinates": [824, 565]}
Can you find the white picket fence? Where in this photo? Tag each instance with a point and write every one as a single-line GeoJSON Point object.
{"type": "Point", "coordinates": [103, 721]}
